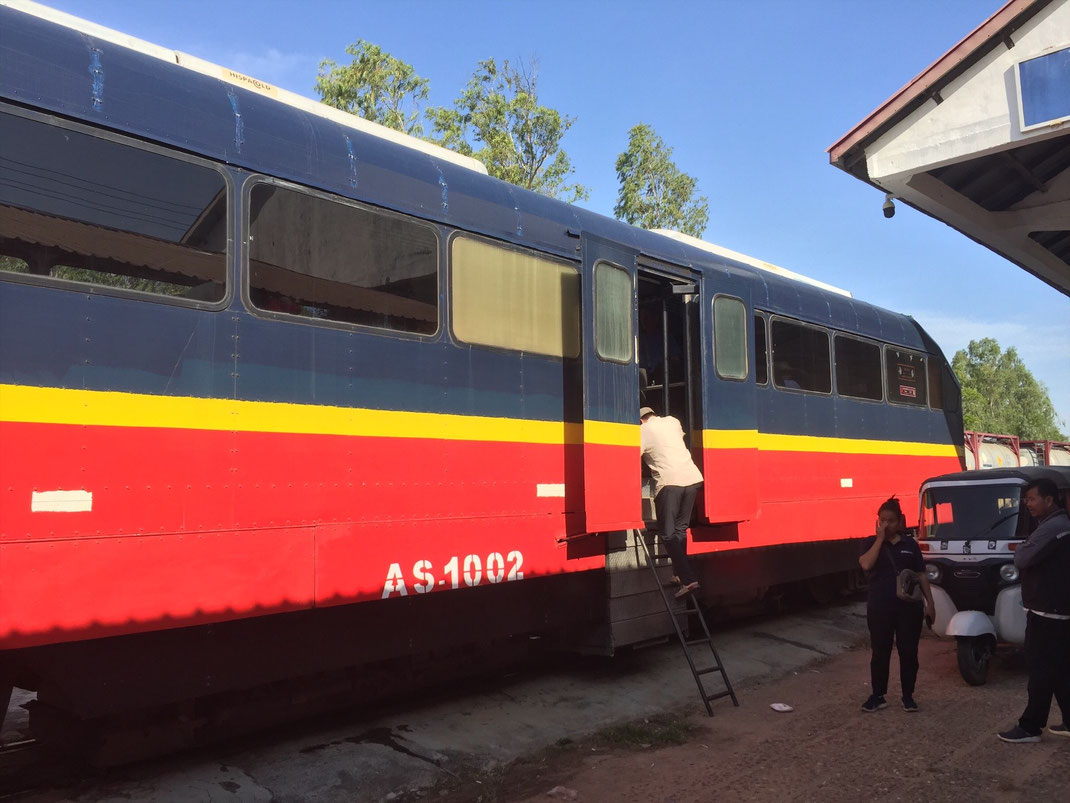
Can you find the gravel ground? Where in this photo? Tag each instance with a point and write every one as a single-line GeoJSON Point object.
{"type": "Point", "coordinates": [483, 730]}
{"type": "Point", "coordinates": [632, 729]}
{"type": "Point", "coordinates": [827, 749]}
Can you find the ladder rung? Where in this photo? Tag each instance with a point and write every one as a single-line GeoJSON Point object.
{"type": "Point", "coordinates": [685, 606]}
{"type": "Point", "coordinates": [719, 695]}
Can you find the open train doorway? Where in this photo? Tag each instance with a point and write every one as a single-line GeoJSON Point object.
{"type": "Point", "coordinates": [669, 349]}
{"type": "Point", "coordinates": [667, 380]}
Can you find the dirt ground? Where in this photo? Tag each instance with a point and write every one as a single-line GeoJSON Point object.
{"type": "Point", "coordinates": [827, 749]}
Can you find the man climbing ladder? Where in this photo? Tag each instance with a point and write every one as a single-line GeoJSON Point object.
{"type": "Point", "coordinates": [676, 483]}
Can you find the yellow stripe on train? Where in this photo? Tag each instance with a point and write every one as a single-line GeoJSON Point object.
{"type": "Point", "coordinates": [611, 434]}
{"type": "Point", "coordinates": [772, 442]}
{"type": "Point", "coordinates": [43, 405]}
{"type": "Point", "coordinates": [37, 405]}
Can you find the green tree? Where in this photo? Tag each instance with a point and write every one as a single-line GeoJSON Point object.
{"type": "Point", "coordinates": [124, 281]}
{"type": "Point", "coordinates": [654, 193]}
{"type": "Point", "coordinates": [1000, 395]}
{"type": "Point", "coordinates": [120, 280]}
{"type": "Point", "coordinates": [498, 120]}
{"type": "Point", "coordinates": [13, 265]}
{"type": "Point", "coordinates": [375, 86]}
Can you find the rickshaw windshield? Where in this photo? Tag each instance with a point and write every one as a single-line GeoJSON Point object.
{"type": "Point", "coordinates": [966, 512]}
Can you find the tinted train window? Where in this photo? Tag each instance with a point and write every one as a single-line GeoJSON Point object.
{"type": "Point", "coordinates": [325, 259]}
{"type": "Point", "coordinates": [761, 352]}
{"type": "Point", "coordinates": [730, 337]}
{"type": "Point", "coordinates": [858, 369]}
{"type": "Point", "coordinates": [936, 385]}
{"type": "Point", "coordinates": [514, 299]}
{"type": "Point", "coordinates": [613, 313]}
{"type": "Point", "coordinates": [800, 357]}
{"type": "Point", "coordinates": [906, 376]}
{"type": "Point", "coordinates": [84, 209]}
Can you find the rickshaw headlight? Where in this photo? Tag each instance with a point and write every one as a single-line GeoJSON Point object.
{"type": "Point", "coordinates": [1009, 572]}
{"type": "Point", "coordinates": [932, 571]}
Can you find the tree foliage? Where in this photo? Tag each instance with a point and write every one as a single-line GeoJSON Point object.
{"type": "Point", "coordinates": [90, 276]}
{"type": "Point", "coordinates": [498, 120]}
{"type": "Point", "coordinates": [13, 265]}
{"type": "Point", "coordinates": [375, 86]}
{"type": "Point", "coordinates": [654, 193]}
{"type": "Point", "coordinates": [1000, 395]}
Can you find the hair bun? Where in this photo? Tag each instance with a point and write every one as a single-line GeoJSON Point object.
{"type": "Point", "coordinates": [892, 504]}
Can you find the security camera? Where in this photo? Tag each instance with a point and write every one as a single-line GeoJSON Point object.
{"type": "Point", "coordinates": [889, 207]}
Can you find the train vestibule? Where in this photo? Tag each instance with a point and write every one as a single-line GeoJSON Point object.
{"type": "Point", "coordinates": [668, 348]}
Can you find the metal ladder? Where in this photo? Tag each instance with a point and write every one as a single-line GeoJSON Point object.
{"type": "Point", "coordinates": [691, 612]}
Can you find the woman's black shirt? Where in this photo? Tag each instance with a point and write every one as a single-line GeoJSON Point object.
{"type": "Point", "coordinates": [904, 554]}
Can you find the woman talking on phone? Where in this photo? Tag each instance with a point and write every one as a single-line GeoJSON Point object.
{"type": "Point", "coordinates": [897, 604]}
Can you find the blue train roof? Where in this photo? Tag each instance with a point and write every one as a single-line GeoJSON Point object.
{"type": "Point", "coordinates": [74, 73]}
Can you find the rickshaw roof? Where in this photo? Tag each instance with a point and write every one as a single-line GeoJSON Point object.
{"type": "Point", "coordinates": [1023, 475]}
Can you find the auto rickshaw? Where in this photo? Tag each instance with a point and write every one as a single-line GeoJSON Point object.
{"type": "Point", "coordinates": [969, 526]}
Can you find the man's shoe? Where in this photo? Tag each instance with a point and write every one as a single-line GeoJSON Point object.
{"type": "Point", "coordinates": [685, 590]}
{"type": "Point", "coordinates": [909, 705]}
{"type": "Point", "coordinates": [875, 703]}
{"type": "Point", "coordinates": [1018, 734]}
{"type": "Point", "coordinates": [1059, 730]}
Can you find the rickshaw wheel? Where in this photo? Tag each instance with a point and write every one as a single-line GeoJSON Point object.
{"type": "Point", "coordinates": [973, 654]}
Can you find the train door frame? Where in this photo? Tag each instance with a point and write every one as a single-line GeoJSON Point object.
{"type": "Point", "coordinates": [665, 289]}
{"type": "Point", "coordinates": [664, 281]}
{"type": "Point", "coordinates": [610, 431]}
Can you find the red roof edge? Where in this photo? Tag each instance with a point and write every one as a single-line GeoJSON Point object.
{"type": "Point", "coordinates": [990, 29]}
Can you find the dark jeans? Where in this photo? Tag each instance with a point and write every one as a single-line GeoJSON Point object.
{"type": "Point", "coordinates": [902, 624]}
{"type": "Point", "coordinates": [673, 506]}
{"type": "Point", "coordinates": [1047, 653]}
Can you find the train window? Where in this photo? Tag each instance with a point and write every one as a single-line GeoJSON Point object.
{"type": "Point", "coordinates": [730, 337]}
{"type": "Point", "coordinates": [800, 357]}
{"type": "Point", "coordinates": [80, 208]}
{"type": "Point", "coordinates": [906, 376]}
{"type": "Point", "coordinates": [613, 313]}
{"type": "Point", "coordinates": [858, 369]}
{"type": "Point", "coordinates": [514, 299]}
{"type": "Point", "coordinates": [761, 352]}
{"type": "Point", "coordinates": [326, 259]}
{"type": "Point", "coordinates": [936, 384]}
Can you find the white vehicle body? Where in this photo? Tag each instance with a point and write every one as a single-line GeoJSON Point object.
{"type": "Point", "coordinates": [971, 523]}
{"type": "Point", "coordinates": [1006, 625]}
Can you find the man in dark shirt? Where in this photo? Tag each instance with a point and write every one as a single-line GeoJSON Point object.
{"type": "Point", "coordinates": [883, 556]}
{"type": "Point", "coordinates": [1044, 561]}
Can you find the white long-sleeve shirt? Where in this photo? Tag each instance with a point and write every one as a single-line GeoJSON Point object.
{"type": "Point", "coordinates": [662, 441]}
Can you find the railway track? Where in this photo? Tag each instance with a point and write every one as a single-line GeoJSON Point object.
{"type": "Point", "coordinates": [27, 765]}
{"type": "Point", "coordinates": [23, 767]}
{"type": "Point", "coordinates": [401, 743]}
{"type": "Point", "coordinates": [298, 706]}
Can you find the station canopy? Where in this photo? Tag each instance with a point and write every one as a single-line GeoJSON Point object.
{"type": "Point", "coordinates": [981, 139]}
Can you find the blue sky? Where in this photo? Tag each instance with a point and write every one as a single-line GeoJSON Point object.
{"type": "Point", "coordinates": [748, 93]}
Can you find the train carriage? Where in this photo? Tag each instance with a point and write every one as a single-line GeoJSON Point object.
{"type": "Point", "coordinates": [281, 393]}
